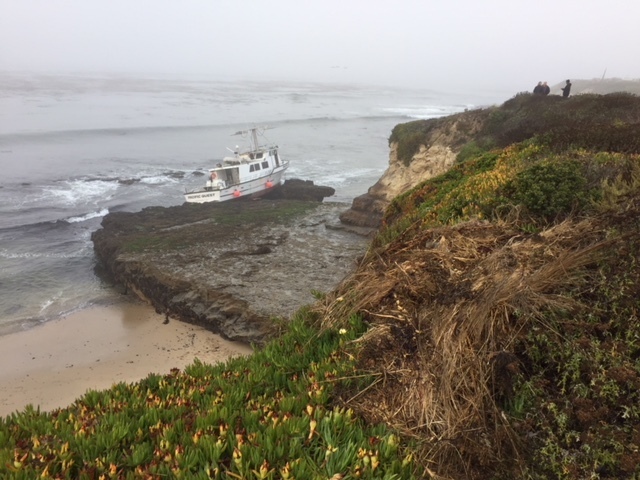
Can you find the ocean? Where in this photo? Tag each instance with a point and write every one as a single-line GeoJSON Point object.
{"type": "Point", "coordinates": [75, 147]}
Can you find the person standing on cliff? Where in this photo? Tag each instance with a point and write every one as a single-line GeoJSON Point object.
{"type": "Point", "coordinates": [545, 89]}
{"type": "Point", "coordinates": [538, 89]}
{"type": "Point", "coordinates": [566, 89]}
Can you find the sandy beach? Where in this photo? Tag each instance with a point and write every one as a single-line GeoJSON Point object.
{"type": "Point", "coordinates": [51, 365]}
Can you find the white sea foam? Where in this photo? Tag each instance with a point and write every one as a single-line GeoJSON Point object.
{"type": "Point", "coordinates": [159, 179]}
{"type": "Point", "coordinates": [88, 216]}
{"type": "Point", "coordinates": [338, 178]}
{"type": "Point", "coordinates": [425, 111]}
{"type": "Point", "coordinates": [45, 305]}
{"type": "Point", "coordinates": [80, 192]}
{"type": "Point", "coordinates": [79, 254]}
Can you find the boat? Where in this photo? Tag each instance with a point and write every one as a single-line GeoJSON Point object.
{"type": "Point", "coordinates": [248, 173]}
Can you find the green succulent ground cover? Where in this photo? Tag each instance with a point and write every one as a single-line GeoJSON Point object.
{"type": "Point", "coordinates": [267, 416]}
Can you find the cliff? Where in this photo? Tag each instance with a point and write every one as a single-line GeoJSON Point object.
{"type": "Point", "coordinates": [501, 297]}
{"type": "Point", "coordinates": [423, 149]}
{"type": "Point", "coordinates": [439, 143]}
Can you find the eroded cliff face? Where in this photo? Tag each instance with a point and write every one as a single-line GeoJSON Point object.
{"type": "Point", "coordinates": [436, 155]}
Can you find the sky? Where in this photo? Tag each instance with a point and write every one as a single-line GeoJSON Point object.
{"type": "Point", "coordinates": [445, 45]}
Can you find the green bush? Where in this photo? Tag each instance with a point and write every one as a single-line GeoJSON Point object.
{"type": "Point", "coordinates": [549, 189]}
{"type": "Point", "coordinates": [474, 148]}
{"type": "Point", "coordinates": [409, 136]}
{"type": "Point", "coordinates": [409, 147]}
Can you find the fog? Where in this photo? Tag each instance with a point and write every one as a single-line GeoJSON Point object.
{"type": "Point", "coordinates": [453, 46]}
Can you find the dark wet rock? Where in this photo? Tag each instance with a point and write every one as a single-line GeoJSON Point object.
{"type": "Point", "coordinates": [128, 181]}
{"type": "Point", "coordinates": [302, 190]}
{"type": "Point", "coordinates": [366, 212]}
{"type": "Point", "coordinates": [231, 267]}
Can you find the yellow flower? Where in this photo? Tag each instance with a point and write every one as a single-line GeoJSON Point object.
{"type": "Point", "coordinates": [312, 428]}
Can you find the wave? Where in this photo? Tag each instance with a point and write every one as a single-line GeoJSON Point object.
{"type": "Point", "coordinates": [88, 216]}
{"type": "Point", "coordinates": [80, 199]}
{"type": "Point", "coordinates": [51, 309]}
{"type": "Point", "coordinates": [107, 131]}
{"type": "Point", "coordinates": [74, 192]}
{"type": "Point", "coordinates": [84, 253]}
{"type": "Point", "coordinates": [410, 111]}
{"type": "Point", "coordinates": [427, 111]}
{"type": "Point", "coordinates": [163, 178]}
{"type": "Point", "coordinates": [93, 189]}
{"type": "Point", "coordinates": [42, 227]}
{"type": "Point", "coordinates": [329, 118]}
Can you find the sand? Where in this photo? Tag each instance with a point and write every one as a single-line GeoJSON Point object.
{"type": "Point", "coordinates": [52, 365]}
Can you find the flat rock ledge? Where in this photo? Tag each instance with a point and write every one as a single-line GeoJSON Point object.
{"type": "Point", "coordinates": [366, 212]}
{"type": "Point", "coordinates": [232, 267]}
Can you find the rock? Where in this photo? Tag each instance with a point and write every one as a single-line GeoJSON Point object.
{"type": "Point", "coordinates": [441, 144]}
{"type": "Point", "coordinates": [301, 190]}
{"type": "Point", "coordinates": [366, 211]}
{"type": "Point", "coordinates": [233, 266]}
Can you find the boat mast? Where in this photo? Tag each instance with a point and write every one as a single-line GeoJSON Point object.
{"type": "Point", "coordinates": [254, 136]}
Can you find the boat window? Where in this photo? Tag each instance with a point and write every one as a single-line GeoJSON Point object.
{"type": "Point", "coordinates": [251, 156]}
{"type": "Point", "coordinates": [254, 167]}
{"type": "Point", "coordinates": [265, 164]}
{"type": "Point", "coordinates": [259, 155]}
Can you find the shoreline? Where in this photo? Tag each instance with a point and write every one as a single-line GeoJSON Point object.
{"type": "Point", "coordinates": [52, 365]}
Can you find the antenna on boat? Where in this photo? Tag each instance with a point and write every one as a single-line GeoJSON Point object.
{"type": "Point", "coordinates": [253, 132]}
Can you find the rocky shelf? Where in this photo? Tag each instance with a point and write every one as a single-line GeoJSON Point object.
{"type": "Point", "coordinates": [231, 267]}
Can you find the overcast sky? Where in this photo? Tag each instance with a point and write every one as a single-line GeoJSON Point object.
{"type": "Point", "coordinates": [450, 45]}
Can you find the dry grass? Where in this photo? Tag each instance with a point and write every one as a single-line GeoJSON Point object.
{"type": "Point", "coordinates": [444, 309]}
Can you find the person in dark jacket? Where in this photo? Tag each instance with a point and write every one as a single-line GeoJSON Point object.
{"type": "Point", "coordinates": [538, 89]}
{"type": "Point", "coordinates": [566, 89]}
{"type": "Point", "coordinates": [545, 89]}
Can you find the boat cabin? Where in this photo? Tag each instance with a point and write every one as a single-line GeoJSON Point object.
{"type": "Point", "coordinates": [246, 166]}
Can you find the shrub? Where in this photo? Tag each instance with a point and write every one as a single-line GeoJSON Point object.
{"type": "Point", "coordinates": [549, 189]}
{"type": "Point", "coordinates": [409, 147]}
{"type": "Point", "coordinates": [474, 148]}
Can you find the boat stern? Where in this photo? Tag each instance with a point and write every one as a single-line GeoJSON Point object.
{"type": "Point", "coordinates": [202, 196]}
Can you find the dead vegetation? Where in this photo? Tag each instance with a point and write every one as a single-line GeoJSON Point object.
{"type": "Point", "coordinates": [501, 298]}
{"type": "Point", "coordinates": [447, 310]}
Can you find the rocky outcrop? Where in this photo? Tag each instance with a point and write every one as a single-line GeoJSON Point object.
{"type": "Point", "coordinates": [297, 189]}
{"type": "Point", "coordinates": [441, 144]}
{"type": "Point", "coordinates": [231, 267]}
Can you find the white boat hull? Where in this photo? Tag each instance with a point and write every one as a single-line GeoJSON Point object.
{"type": "Point", "coordinates": [250, 188]}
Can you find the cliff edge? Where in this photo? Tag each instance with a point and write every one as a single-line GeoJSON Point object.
{"type": "Point", "coordinates": [423, 149]}
{"type": "Point", "coordinates": [501, 297]}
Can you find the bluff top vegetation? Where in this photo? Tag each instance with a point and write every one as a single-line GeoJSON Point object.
{"type": "Point", "coordinates": [502, 297]}
{"type": "Point", "coordinates": [490, 331]}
